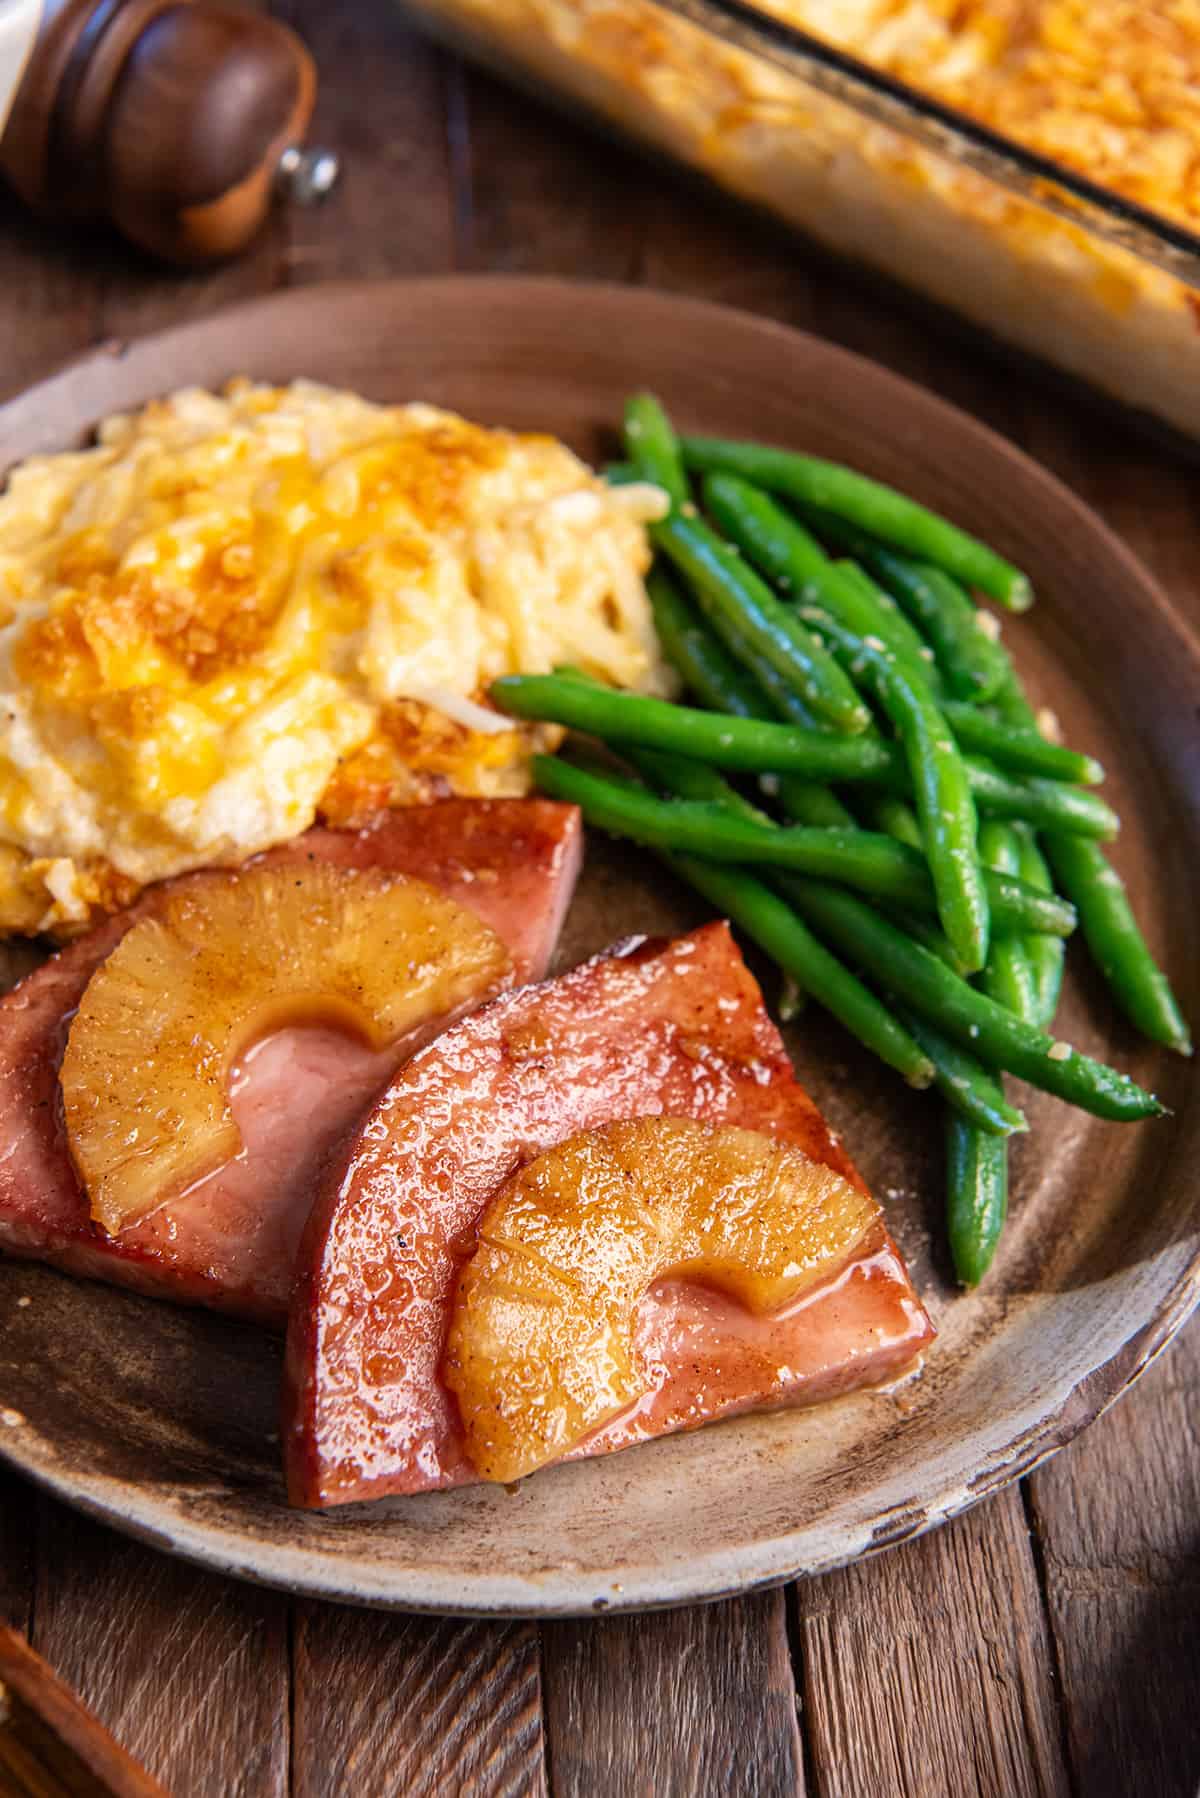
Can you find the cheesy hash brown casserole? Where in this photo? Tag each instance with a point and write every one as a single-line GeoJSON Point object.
{"type": "Point", "coordinates": [1110, 88]}
{"type": "Point", "coordinates": [237, 612]}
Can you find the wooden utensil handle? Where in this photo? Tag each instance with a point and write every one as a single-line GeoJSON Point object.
{"type": "Point", "coordinates": [50, 1745]}
{"type": "Point", "coordinates": [166, 117]}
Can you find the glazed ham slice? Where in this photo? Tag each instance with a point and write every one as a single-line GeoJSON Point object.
{"type": "Point", "coordinates": [231, 1241]}
{"type": "Point", "coordinates": [673, 1030]}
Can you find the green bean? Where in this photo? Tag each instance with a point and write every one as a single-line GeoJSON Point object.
{"type": "Point", "coordinates": [894, 817]}
{"type": "Point", "coordinates": [1007, 977]}
{"type": "Point", "coordinates": [621, 474]}
{"type": "Point", "coordinates": [804, 802]}
{"type": "Point", "coordinates": [694, 652]}
{"type": "Point", "coordinates": [976, 1176]}
{"type": "Point", "coordinates": [724, 670]}
{"type": "Point", "coordinates": [877, 509]}
{"type": "Point", "coordinates": [964, 1082]}
{"type": "Point", "coordinates": [919, 655]}
{"type": "Point", "coordinates": [776, 544]}
{"type": "Point", "coordinates": [1045, 953]}
{"type": "Point", "coordinates": [767, 918]}
{"type": "Point", "coordinates": [1009, 701]}
{"type": "Point", "coordinates": [1111, 931]}
{"type": "Point", "coordinates": [1120, 950]}
{"type": "Point", "coordinates": [686, 779]}
{"type": "Point", "coordinates": [860, 858]}
{"type": "Point", "coordinates": [653, 448]}
{"type": "Point", "coordinates": [970, 1018]}
{"type": "Point", "coordinates": [765, 747]}
{"type": "Point", "coordinates": [924, 931]}
{"type": "Point", "coordinates": [1018, 747]}
{"type": "Point", "coordinates": [973, 663]}
{"type": "Point", "coordinates": [976, 1196]}
{"type": "Point", "coordinates": [1046, 804]}
{"type": "Point", "coordinates": [945, 808]}
{"type": "Point", "coordinates": [729, 590]}
{"type": "Point", "coordinates": [783, 701]}
{"type": "Point", "coordinates": [750, 744]}
{"type": "Point", "coordinates": [777, 930]}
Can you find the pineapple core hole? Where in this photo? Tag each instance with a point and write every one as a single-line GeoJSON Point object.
{"type": "Point", "coordinates": [541, 1345]}
{"type": "Point", "coordinates": [225, 960]}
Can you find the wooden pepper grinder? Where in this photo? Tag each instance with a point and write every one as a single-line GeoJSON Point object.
{"type": "Point", "coordinates": [178, 121]}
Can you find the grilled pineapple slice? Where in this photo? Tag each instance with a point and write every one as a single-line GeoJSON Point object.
{"type": "Point", "coordinates": [225, 960]}
{"type": "Point", "coordinates": [541, 1349]}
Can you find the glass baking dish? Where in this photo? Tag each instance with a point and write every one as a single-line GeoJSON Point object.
{"type": "Point", "coordinates": [1034, 252]}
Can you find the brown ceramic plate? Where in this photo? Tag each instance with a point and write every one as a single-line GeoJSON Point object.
{"type": "Point", "coordinates": [163, 1421]}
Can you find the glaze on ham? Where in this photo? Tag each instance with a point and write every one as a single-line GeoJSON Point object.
{"type": "Point", "coordinates": [231, 1241]}
{"type": "Point", "coordinates": [676, 1029]}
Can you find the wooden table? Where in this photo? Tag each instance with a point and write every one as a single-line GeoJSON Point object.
{"type": "Point", "coordinates": [1047, 1642]}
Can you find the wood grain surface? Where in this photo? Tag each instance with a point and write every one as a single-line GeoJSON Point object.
{"type": "Point", "coordinates": [1047, 1642]}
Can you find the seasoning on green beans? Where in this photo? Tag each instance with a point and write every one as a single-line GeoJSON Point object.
{"type": "Point", "coordinates": [903, 640]}
{"type": "Point", "coordinates": [963, 1081]}
{"type": "Point", "coordinates": [804, 802]}
{"type": "Point", "coordinates": [876, 509]}
{"type": "Point", "coordinates": [976, 1196]}
{"type": "Point", "coordinates": [765, 917]}
{"type": "Point", "coordinates": [766, 747]}
{"type": "Point", "coordinates": [859, 858]}
{"type": "Point", "coordinates": [750, 744]}
{"type": "Point", "coordinates": [725, 671]}
{"type": "Point", "coordinates": [686, 779]}
{"type": "Point", "coordinates": [1007, 976]}
{"type": "Point", "coordinates": [971, 659]}
{"type": "Point", "coordinates": [774, 926]}
{"type": "Point", "coordinates": [894, 817]}
{"type": "Point", "coordinates": [976, 1174]}
{"type": "Point", "coordinates": [1046, 804]}
{"type": "Point", "coordinates": [1112, 933]}
{"type": "Point", "coordinates": [653, 448]}
{"type": "Point", "coordinates": [1045, 954]}
{"type": "Point", "coordinates": [705, 665]}
{"type": "Point", "coordinates": [780, 548]}
{"type": "Point", "coordinates": [969, 1018]}
{"type": "Point", "coordinates": [732, 595]}
{"type": "Point", "coordinates": [945, 808]}
{"type": "Point", "coordinates": [924, 931]}
{"type": "Point", "coordinates": [1017, 747]}
{"type": "Point", "coordinates": [1120, 950]}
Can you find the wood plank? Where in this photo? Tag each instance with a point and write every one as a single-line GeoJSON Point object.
{"type": "Point", "coordinates": [391, 1705]}
{"type": "Point", "coordinates": [675, 1703]}
{"type": "Point", "coordinates": [535, 194]}
{"type": "Point", "coordinates": [18, 1537]}
{"type": "Point", "coordinates": [926, 1672]}
{"type": "Point", "coordinates": [381, 104]}
{"type": "Point", "coordinates": [49, 1741]}
{"type": "Point", "coordinates": [188, 1671]}
{"type": "Point", "coordinates": [690, 1701]}
{"type": "Point", "coordinates": [1116, 1515]}
{"type": "Point", "coordinates": [412, 1707]}
{"type": "Point", "coordinates": [49, 288]}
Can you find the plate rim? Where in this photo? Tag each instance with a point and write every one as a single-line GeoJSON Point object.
{"type": "Point", "coordinates": [760, 1564]}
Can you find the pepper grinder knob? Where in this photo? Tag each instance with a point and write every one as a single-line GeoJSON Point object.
{"type": "Point", "coordinates": [177, 121]}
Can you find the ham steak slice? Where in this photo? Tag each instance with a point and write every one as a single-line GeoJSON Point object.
{"type": "Point", "coordinates": [231, 1241]}
{"type": "Point", "coordinates": [671, 1029]}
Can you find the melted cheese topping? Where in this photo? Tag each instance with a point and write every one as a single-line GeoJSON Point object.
{"type": "Point", "coordinates": [236, 612]}
{"type": "Point", "coordinates": [1109, 87]}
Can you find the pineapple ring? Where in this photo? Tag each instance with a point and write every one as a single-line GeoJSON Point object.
{"type": "Point", "coordinates": [541, 1344]}
{"type": "Point", "coordinates": [225, 960]}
